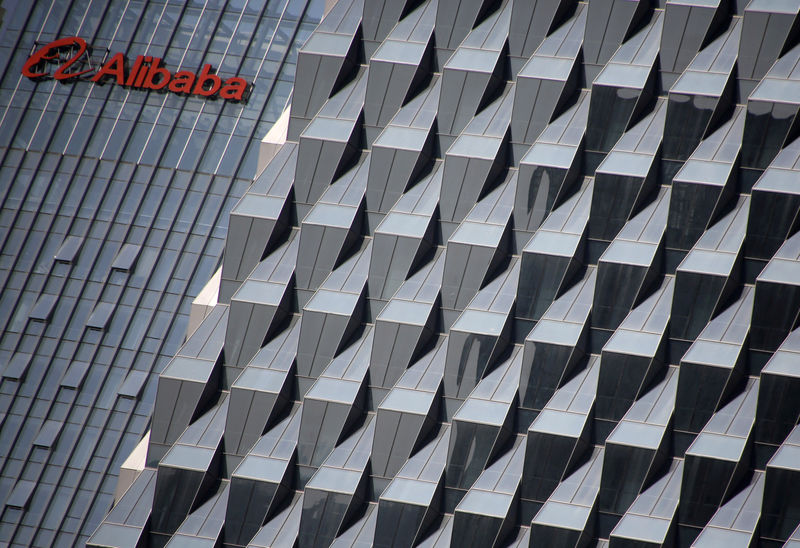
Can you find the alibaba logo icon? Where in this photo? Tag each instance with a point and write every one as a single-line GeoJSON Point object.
{"type": "Point", "coordinates": [72, 46]}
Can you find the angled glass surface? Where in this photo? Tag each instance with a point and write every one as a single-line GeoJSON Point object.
{"type": "Point", "coordinates": [637, 434]}
{"type": "Point", "coordinates": [554, 243]}
{"type": "Point", "coordinates": [188, 456]}
{"type": "Point", "coordinates": [704, 172]}
{"type": "Point", "coordinates": [335, 479]}
{"type": "Point", "coordinates": [485, 503]}
{"type": "Point", "coordinates": [473, 60]}
{"type": "Point", "coordinates": [408, 401]}
{"type": "Point", "coordinates": [556, 332]}
{"type": "Point", "coordinates": [257, 378]}
{"type": "Point", "coordinates": [256, 291]}
{"type": "Point", "coordinates": [550, 68]}
{"type": "Point", "coordinates": [475, 146]}
{"type": "Point", "coordinates": [404, 224]}
{"type": "Point", "coordinates": [480, 321]}
{"type": "Point", "coordinates": [628, 252]}
{"type": "Point", "coordinates": [329, 129]}
{"type": "Point", "coordinates": [550, 154]}
{"type": "Point", "coordinates": [646, 528]}
{"type": "Point", "coordinates": [395, 51]}
{"type": "Point", "coordinates": [639, 343]}
{"type": "Point", "coordinates": [261, 469]}
{"type": "Point", "coordinates": [700, 83]}
{"type": "Point", "coordinates": [560, 423]}
{"type": "Point", "coordinates": [331, 215]}
{"type": "Point", "coordinates": [717, 446]}
{"type": "Point", "coordinates": [192, 369]}
{"type": "Point", "coordinates": [482, 411]}
{"type": "Point", "coordinates": [267, 207]}
{"type": "Point", "coordinates": [334, 302]}
{"type": "Point", "coordinates": [338, 390]}
{"type": "Point", "coordinates": [406, 138]}
{"type": "Point", "coordinates": [566, 516]}
{"type": "Point", "coordinates": [619, 75]}
{"type": "Point", "coordinates": [626, 163]}
{"type": "Point", "coordinates": [714, 353]}
{"type": "Point", "coordinates": [328, 43]}
{"type": "Point", "coordinates": [408, 312]}
{"type": "Point", "coordinates": [410, 491]}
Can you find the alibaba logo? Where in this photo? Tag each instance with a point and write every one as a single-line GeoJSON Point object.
{"type": "Point", "coordinates": [51, 53]}
{"type": "Point", "coordinates": [146, 72]}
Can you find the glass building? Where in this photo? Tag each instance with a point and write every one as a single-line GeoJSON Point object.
{"type": "Point", "coordinates": [522, 273]}
{"type": "Point", "coordinates": [115, 202]}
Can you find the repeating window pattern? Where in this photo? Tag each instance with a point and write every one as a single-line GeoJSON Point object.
{"type": "Point", "coordinates": [525, 273]}
{"type": "Point", "coordinates": [114, 212]}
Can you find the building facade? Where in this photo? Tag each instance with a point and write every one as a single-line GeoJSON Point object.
{"type": "Point", "coordinates": [524, 273]}
{"type": "Point", "coordinates": [115, 200]}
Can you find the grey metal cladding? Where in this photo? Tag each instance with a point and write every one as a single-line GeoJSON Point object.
{"type": "Point", "coordinates": [609, 23]}
{"type": "Point", "coordinates": [381, 17]}
{"type": "Point", "coordinates": [259, 307]}
{"type": "Point", "coordinates": [474, 72]}
{"type": "Point", "coordinates": [402, 155]}
{"type": "Point", "coordinates": [577, 494]}
{"type": "Point", "coordinates": [718, 454]}
{"type": "Point", "coordinates": [771, 193]}
{"type": "Point", "coordinates": [186, 475]}
{"type": "Point", "coordinates": [332, 141]}
{"type": "Point", "coordinates": [403, 241]}
{"type": "Point", "coordinates": [415, 492]}
{"type": "Point", "coordinates": [333, 314]}
{"type": "Point", "coordinates": [771, 27]}
{"type": "Point", "coordinates": [361, 532]}
{"type": "Point", "coordinates": [404, 418]}
{"type": "Point", "coordinates": [336, 403]}
{"type": "Point", "coordinates": [777, 380]}
{"type": "Point", "coordinates": [703, 188]}
{"type": "Point", "coordinates": [696, 24]}
{"type": "Point", "coordinates": [651, 517]}
{"type": "Point", "coordinates": [554, 255]}
{"type": "Point", "coordinates": [744, 503]}
{"type": "Point", "coordinates": [281, 528]}
{"type": "Point", "coordinates": [480, 335]}
{"type": "Point", "coordinates": [454, 21]}
{"type": "Point", "coordinates": [769, 124]}
{"type": "Point", "coordinates": [638, 448]}
{"type": "Point", "coordinates": [635, 356]}
{"type": "Point", "coordinates": [402, 64]}
{"type": "Point", "coordinates": [710, 83]}
{"type": "Point", "coordinates": [126, 523]}
{"type": "Point", "coordinates": [627, 272]}
{"type": "Point", "coordinates": [715, 359]}
{"type": "Point", "coordinates": [404, 329]}
{"type": "Point", "coordinates": [560, 435]}
{"type": "Point", "coordinates": [531, 22]}
{"type": "Point", "coordinates": [777, 280]}
{"type": "Point", "coordinates": [498, 487]}
{"type": "Point", "coordinates": [333, 227]}
{"type": "Point", "coordinates": [551, 76]}
{"type": "Point", "coordinates": [779, 507]}
{"type": "Point", "coordinates": [628, 176]}
{"type": "Point", "coordinates": [557, 346]}
{"type": "Point", "coordinates": [483, 423]}
{"type": "Point", "coordinates": [524, 273]}
{"type": "Point", "coordinates": [327, 60]}
{"type": "Point", "coordinates": [335, 495]}
{"type": "Point", "coordinates": [712, 271]}
{"type": "Point", "coordinates": [624, 89]}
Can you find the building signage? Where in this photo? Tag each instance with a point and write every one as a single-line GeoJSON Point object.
{"type": "Point", "coordinates": [72, 58]}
